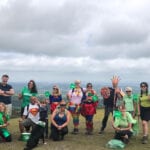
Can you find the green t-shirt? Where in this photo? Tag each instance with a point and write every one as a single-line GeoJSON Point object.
{"type": "Point", "coordinates": [26, 94]}
{"type": "Point", "coordinates": [144, 101]}
{"type": "Point", "coordinates": [123, 121]}
{"type": "Point", "coordinates": [2, 119]}
{"type": "Point", "coordinates": [129, 102]}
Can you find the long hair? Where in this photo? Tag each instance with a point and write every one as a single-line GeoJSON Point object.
{"type": "Point", "coordinates": [58, 91]}
{"type": "Point", "coordinates": [4, 106]}
{"type": "Point", "coordinates": [144, 84]}
{"type": "Point", "coordinates": [34, 88]}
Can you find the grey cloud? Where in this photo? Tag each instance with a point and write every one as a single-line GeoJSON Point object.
{"type": "Point", "coordinates": [83, 38]}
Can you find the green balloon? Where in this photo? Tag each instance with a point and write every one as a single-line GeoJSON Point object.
{"type": "Point", "coordinates": [47, 93]}
{"type": "Point", "coordinates": [117, 114]}
{"type": "Point", "coordinates": [90, 94]}
{"type": "Point", "coordinates": [5, 132]}
{"type": "Point", "coordinates": [135, 97]}
{"type": "Point", "coordinates": [95, 98]}
{"type": "Point", "coordinates": [25, 89]}
{"type": "Point", "coordinates": [72, 86]}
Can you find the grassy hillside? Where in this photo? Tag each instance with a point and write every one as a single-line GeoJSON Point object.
{"type": "Point", "coordinates": [75, 142]}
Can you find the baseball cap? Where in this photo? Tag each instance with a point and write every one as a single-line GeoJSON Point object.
{"type": "Point", "coordinates": [128, 89]}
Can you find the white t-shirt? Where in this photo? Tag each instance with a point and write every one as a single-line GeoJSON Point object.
{"type": "Point", "coordinates": [32, 112]}
{"type": "Point", "coordinates": [76, 96]}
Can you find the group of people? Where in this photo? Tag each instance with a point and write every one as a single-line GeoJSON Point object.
{"type": "Point", "coordinates": [80, 101]}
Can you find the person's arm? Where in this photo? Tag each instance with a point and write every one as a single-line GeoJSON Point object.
{"type": "Point", "coordinates": [138, 108]}
{"type": "Point", "coordinates": [9, 93]}
{"type": "Point", "coordinates": [69, 95]}
{"type": "Point", "coordinates": [52, 119]}
{"type": "Point", "coordinates": [127, 128]}
{"type": "Point", "coordinates": [115, 124]}
{"type": "Point", "coordinates": [115, 80]}
{"type": "Point", "coordinates": [20, 96]}
{"type": "Point", "coordinates": [67, 121]}
{"type": "Point", "coordinates": [117, 128]}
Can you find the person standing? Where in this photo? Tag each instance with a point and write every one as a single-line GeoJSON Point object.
{"type": "Point", "coordinates": [75, 96]}
{"type": "Point", "coordinates": [129, 101]}
{"type": "Point", "coordinates": [55, 98]}
{"type": "Point", "coordinates": [109, 97]}
{"type": "Point", "coordinates": [88, 107]}
{"type": "Point", "coordinates": [26, 93]}
{"type": "Point", "coordinates": [144, 110]}
{"type": "Point", "coordinates": [6, 91]}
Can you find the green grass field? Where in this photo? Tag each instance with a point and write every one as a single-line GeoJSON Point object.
{"type": "Point", "coordinates": [76, 142]}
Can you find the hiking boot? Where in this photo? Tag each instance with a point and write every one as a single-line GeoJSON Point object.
{"type": "Point", "coordinates": [46, 136]}
{"type": "Point", "coordinates": [90, 133]}
{"type": "Point", "coordinates": [145, 140]}
{"type": "Point", "coordinates": [126, 140]}
{"type": "Point", "coordinates": [101, 132]}
{"type": "Point", "coordinates": [27, 148]}
{"type": "Point", "coordinates": [75, 131]}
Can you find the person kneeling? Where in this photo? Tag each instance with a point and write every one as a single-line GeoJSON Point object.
{"type": "Point", "coordinates": [4, 117]}
{"type": "Point", "coordinates": [123, 125]}
{"type": "Point", "coordinates": [60, 119]}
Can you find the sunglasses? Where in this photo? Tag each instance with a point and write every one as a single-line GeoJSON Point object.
{"type": "Point", "coordinates": [128, 91]}
{"type": "Point", "coordinates": [143, 86]}
{"type": "Point", "coordinates": [55, 89]}
{"type": "Point", "coordinates": [62, 105]}
{"type": "Point", "coordinates": [89, 86]}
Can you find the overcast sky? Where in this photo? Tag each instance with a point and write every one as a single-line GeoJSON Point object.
{"type": "Point", "coordinates": [64, 40]}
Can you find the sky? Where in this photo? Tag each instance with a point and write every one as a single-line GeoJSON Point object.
{"type": "Point", "coordinates": [64, 40]}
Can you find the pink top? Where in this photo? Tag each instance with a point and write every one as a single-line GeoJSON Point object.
{"type": "Point", "coordinates": [76, 96]}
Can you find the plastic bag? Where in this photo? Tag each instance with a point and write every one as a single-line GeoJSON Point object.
{"type": "Point", "coordinates": [115, 144]}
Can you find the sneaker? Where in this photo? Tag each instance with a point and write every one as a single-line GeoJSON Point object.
{"type": "Point", "coordinates": [145, 140]}
{"type": "Point", "coordinates": [101, 132]}
{"type": "Point", "coordinates": [46, 136]}
{"type": "Point", "coordinates": [27, 148]}
{"type": "Point", "coordinates": [75, 131]}
{"type": "Point", "coordinates": [90, 133]}
{"type": "Point", "coordinates": [126, 140]}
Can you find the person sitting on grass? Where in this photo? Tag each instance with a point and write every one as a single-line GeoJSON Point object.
{"type": "Point", "coordinates": [123, 125]}
{"type": "Point", "coordinates": [4, 117]}
{"type": "Point", "coordinates": [60, 119]}
{"type": "Point", "coordinates": [30, 115]}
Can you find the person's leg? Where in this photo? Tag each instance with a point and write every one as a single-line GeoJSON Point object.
{"type": "Point", "coordinates": [89, 124]}
{"type": "Point", "coordinates": [5, 134]}
{"type": "Point", "coordinates": [9, 109]}
{"type": "Point", "coordinates": [145, 132]}
{"type": "Point", "coordinates": [54, 133]}
{"type": "Point", "coordinates": [75, 117]}
{"type": "Point", "coordinates": [46, 128]}
{"type": "Point", "coordinates": [25, 124]}
{"type": "Point", "coordinates": [64, 131]}
{"type": "Point", "coordinates": [105, 119]}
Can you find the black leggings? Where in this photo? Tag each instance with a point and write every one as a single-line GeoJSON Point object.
{"type": "Point", "coordinates": [56, 134]}
{"type": "Point", "coordinates": [119, 135]}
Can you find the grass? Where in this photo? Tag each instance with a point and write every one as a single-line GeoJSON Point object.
{"type": "Point", "coordinates": [75, 142]}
